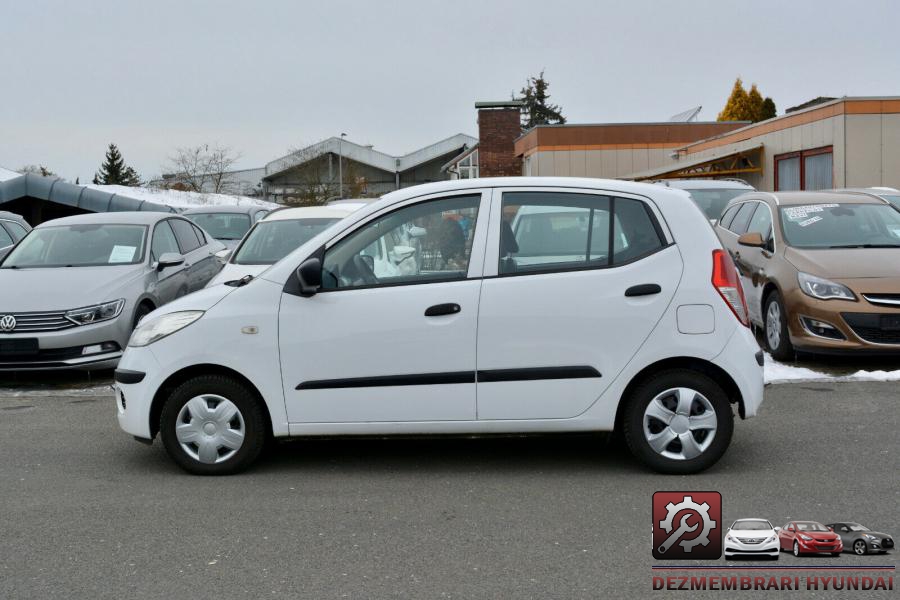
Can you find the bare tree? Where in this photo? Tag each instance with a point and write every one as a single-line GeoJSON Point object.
{"type": "Point", "coordinates": [202, 168]}
{"type": "Point", "coordinates": [37, 170]}
{"type": "Point", "coordinates": [313, 178]}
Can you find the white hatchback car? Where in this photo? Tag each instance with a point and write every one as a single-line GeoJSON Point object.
{"type": "Point", "coordinates": [647, 334]}
{"type": "Point", "coordinates": [751, 538]}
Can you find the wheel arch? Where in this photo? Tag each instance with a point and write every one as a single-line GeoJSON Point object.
{"type": "Point", "coordinates": [699, 365]}
{"type": "Point", "coordinates": [179, 377]}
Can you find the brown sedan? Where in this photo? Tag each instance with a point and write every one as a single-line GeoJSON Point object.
{"type": "Point", "coordinates": [821, 270]}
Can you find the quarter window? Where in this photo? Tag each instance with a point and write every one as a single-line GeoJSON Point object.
{"type": "Point", "coordinates": [552, 231]}
{"type": "Point", "coordinates": [187, 238]}
{"type": "Point", "coordinates": [426, 242]}
{"type": "Point", "coordinates": [725, 221]}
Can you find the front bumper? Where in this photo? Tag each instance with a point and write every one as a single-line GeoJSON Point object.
{"type": "Point", "coordinates": [736, 547]}
{"type": "Point", "coordinates": [816, 546]}
{"type": "Point", "coordinates": [65, 349]}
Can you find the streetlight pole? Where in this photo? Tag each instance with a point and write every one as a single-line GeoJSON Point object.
{"type": "Point", "coordinates": [341, 165]}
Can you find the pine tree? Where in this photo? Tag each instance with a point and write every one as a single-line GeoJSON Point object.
{"type": "Point", "coordinates": [114, 171]}
{"type": "Point", "coordinates": [747, 106]}
{"type": "Point", "coordinates": [537, 109]}
{"type": "Point", "coordinates": [768, 109]}
{"type": "Point", "coordinates": [754, 104]}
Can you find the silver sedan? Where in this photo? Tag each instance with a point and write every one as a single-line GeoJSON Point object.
{"type": "Point", "coordinates": [73, 289]}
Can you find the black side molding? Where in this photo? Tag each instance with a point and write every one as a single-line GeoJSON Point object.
{"type": "Point", "coordinates": [487, 376]}
{"type": "Point", "coordinates": [537, 373]}
{"type": "Point", "coordinates": [646, 289]}
{"type": "Point", "coordinates": [126, 376]}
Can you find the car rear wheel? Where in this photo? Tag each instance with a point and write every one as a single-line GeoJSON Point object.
{"type": "Point", "coordinates": [678, 422]}
{"type": "Point", "coordinates": [796, 548]}
{"type": "Point", "coordinates": [777, 339]}
{"type": "Point", "coordinates": [860, 547]}
{"type": "Point", "coordinates": [213, 425]}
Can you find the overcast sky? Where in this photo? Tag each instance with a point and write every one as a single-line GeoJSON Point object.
{"type": "Point", "coordinates": [268, 75]}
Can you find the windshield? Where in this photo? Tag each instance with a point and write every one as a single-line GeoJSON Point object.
{"type": "Point", "coordinates": [270, 241]}
{"type": "Point", "coordinates": [79, 246]}
{"type": "Point", "coordinates": [751, 525]}
{"type": "Point", "coordinates": [857, 527]}
{"type": "Point", "coordinates": [811, 527]}
{"type": "Point", "coordinates": [713, 202]}
{"type": "Point", "coordinates": [841, 226]}
{"type": "Point", "coordinates": [222, 226]}
{"type": "Point", "coordinates": [895, 200]}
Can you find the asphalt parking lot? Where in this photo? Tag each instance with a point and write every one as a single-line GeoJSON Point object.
{"type": "Point", "coordinates": [89, 513]}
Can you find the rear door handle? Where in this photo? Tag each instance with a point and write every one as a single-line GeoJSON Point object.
{"type": "Point", "coordinates": [645, 289]}
{"type": "Point", "coordinates": [442, 309]}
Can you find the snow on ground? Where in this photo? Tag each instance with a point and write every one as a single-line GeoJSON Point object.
{"type": "Point", "coordinates": [776, 372]}
{"type": "Point", "coordinates": [179, 199]}
{"type": "Point", "coordinates": [45, 392]}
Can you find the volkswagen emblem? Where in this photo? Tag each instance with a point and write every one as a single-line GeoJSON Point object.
{"type": "Point", "coordinates": [7, 323]}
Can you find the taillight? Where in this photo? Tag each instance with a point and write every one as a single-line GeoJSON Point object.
{"type": "Point", "coordinates": [726, 281]}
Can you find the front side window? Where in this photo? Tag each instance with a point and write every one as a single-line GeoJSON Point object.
{"type": "Point", "coordinates": [79, 246]}
{"type": "Point", "coordinates": [270, 241]}
{"type": "Point", "coordinates": [425, 242]}
{"type": "Point", "coordinates": [742, 218]}
{"type": "Point", "coordinates": [841, 226]}
{"type": "Point", "coordinates": [761, 223]}
{"type": "Point", "coordinates": [163, 241]}
{"type": "Point", "coordinates": [552, 231]}
{"type": "Point", "coordinates": [222, 226]}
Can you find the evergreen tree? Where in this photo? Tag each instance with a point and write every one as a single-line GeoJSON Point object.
{"type": "Point", "coordinates": [114, 171]}
{"type": "Point", "coordinates": [747, 106]}
{"type": "Point", "coordinates": [754, 104]}
{"type": "Point", "coordinates": [537, 109]}
{"type": "Point", "coordinates": [768, 110]}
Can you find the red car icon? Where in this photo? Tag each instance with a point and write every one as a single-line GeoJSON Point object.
{"type": "Point", "coordinates": [809, 537]}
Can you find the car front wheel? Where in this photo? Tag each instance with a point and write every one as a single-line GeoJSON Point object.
{"type": "Point", "coordinates": [777, 339]}
{"type": "Point", "coordinates": [796, 549]}
{"type": "Point", "coordinates": [212, 425]}
{"type": "Point", "coordinates": [678, 422]}
{"type": "Point", "coordinates": [859, 547]}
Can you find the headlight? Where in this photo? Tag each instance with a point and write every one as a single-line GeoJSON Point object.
{"type": "Point", "coordinates": [98, 312]}
{"type": "Point", "coordinates": [823, 289]}
{"type": "Point", "coordinates": [805, 537]}
{"type": "Point", "coordinates": [159, 328]}
{"type": "Point", "coordinates": [870, 537]}
{"type": "Point", "coordinates": [729, 538]}
{"type": "Point", "coordinates": [769, 539]}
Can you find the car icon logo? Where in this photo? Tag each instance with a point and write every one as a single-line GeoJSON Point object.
{"type": "Point", "coordinates": [7, 323]}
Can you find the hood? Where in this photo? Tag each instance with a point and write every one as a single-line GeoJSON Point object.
{"type": "Point", "coordinates": [65, 288]}
{"type": "Point", "coordinates": [232, 272]}
{"type": "Point", "coordinates": [846, 263]}
{"type": "Point", "coordinates": [204, 299]}
{"type": "Point", "coordinates": [753, 533]}
{"type": "Point", "coordinates": [819, 535]}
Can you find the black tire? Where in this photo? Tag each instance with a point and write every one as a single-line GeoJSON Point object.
{"type": "Point", "coordinates": [784, 350]}
{"type": "Point", "coordinates": [860, 544]}
{"type": "Point", "coordinates": [645, 392]}
{"type": "Point", "coordinates": [142, 311]}
{"type": "Point", "coordinates": [253, 424]}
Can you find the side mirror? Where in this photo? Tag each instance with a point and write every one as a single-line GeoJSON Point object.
{"type": "Point", "coordinates": [777, 529]}
{"type": "Point", "coordinates": [752, 239]}
{"type": "Point", "coordinates": [831, 529]}
{"type": "Point", "coordinates": [223, 255]}
{"type": "Point", "coordinates": [169, 259]}
{"type": "Point", "coordinates": [309, 274]}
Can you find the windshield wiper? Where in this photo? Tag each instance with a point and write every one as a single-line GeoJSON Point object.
{"type": "Point", "coordinates": [867, 246]}
{"type": "Point", "coordinates": [240, 282]}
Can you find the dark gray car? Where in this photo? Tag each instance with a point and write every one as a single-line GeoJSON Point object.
{"type": "Point", "coordinates": [12, 229]}
{"type": "Point", "coordinates": [73, 289]}
{"type": "Point", "coordinates": [859, 539]}
{"type": "Point", "coordinates": [228, 224]}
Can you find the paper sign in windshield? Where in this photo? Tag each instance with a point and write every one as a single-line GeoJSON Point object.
{"type": "Point", "coordinates": [809, 221]}
{"type": "Point", "coordinates": [122, 254]}
{"type": "Point", "coordinates": [800, 213]}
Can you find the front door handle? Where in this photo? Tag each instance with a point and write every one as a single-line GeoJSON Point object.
{"type": "Point", "coordinates": [442, 309]}
{"type": "Point", "coordinates": [645, 289]}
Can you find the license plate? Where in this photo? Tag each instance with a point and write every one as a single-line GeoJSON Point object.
{"type": "Point", "coordinates": [18, 346]}
{"type": "Point", "coordinates": [890, 322]}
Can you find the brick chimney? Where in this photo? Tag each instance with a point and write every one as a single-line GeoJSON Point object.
{"type": "Point", "coordinates": [498, 127]}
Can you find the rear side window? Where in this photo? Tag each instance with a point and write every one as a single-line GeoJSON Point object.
{"type": "Point", "coordinates": [163, 241]}
{"type": "Point", "coordinates": [187, 237]}
{"type": "Point", "coordinates": [200, 235]}
{"type": "Point", "coordinates": [5, 238]}
{"type": "Point", "coordinates": [16, 230]}
{"type": "Point", "coordinates": [742, 218]}
{"type": "Point", "coordinates": [552, 231]}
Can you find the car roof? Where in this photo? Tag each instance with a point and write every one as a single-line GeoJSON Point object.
{"type": "Point", "coordinates": [802, 198]}
{"type": "Point", "coordinates": [313, 212]}
{"type": "Point", "coordinates": [112, 218]}
{"type": "Point", "coordinates": [11, 216]}
{"type": "Point", "coordinates": [752, 519]}
{"type": "Point", "coordinates": [226, 208]}
{"type": "Point", "coordinates": [701, 184]}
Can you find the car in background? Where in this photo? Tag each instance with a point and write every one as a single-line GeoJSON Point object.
{"type": "Point", "coordinates": [711, 195]}
{"type": "Point", "coordinates": [820, 270]}
{"type": "Point", "coordinates": [276, 236]}
{"type": "Point", "coordinates": [227, 224]}
{"type": "Point", "coordinates": [593, 341]}
{"type": "Point", "coordinates": [12, 229]}
{"type": "Point", "coordinates": [809, 537]}
{"type": "Point", "coordinates": [887, 194]}
{"type": "Point", "coordinates": [859, 539]}
{"type": "Point", "coordinates": [751, 537]}
{"type": "Point", "coordinates": [73, 289]}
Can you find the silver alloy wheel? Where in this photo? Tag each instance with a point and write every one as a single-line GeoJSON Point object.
{"type": "Point", "coordinates": [796, 548]}
{"type": "Point", "coordinates": [210, 428]}
{"type": "Point", "coordinates": [677, 414]}
{"type": "Point", "coordinates": [859, 547]}
{"type": "Point", "coordinates": [773, 325]}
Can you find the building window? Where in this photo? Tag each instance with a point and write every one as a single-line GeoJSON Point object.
{"type": "Point", "coordinates": [468, 167]}
{"type": "Point", "coordinates": [805, 170]}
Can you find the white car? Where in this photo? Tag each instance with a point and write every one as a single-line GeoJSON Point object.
{"type": "Point", "coordinates": [751, 537]}
{"type": "Point", "coordinates": [277, 235]}
{"type": "Point", "coordinates": [651, 338]}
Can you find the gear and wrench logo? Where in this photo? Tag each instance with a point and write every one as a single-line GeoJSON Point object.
{"type": "Point", "coordinates": [687, 525]}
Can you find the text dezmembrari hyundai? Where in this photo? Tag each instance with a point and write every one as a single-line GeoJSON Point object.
{"type": "Point", "coordinates": [530, 305]}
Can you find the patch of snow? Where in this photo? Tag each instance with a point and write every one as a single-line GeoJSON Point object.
{"type": "Point", "coordinates": [776, 372]}
{"type": "Point", "coordinates": [8, 174]}
{"type": "Point", "coordinates": [181, 200]}
{"type": "Point", "coordinates": [97, 390]}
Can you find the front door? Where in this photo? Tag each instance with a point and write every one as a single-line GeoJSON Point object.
{"type": "Point", "coordinates": [391, 334]}
{"type": "Point", "coordinates": [751, 262]}
{"type": "Point", "coordinates": [581, 280]}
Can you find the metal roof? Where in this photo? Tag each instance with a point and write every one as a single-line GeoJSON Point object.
{"type": "Point", "coordinates": [54, 189]}
{"type": "Point", "coordinates": [8, 174]}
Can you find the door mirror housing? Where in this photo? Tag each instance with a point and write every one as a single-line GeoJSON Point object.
{"type": "Point", "coordinates": [752, 239]}
{"type": "Point", "coordinates": [169, 259]}
{"type": "Point", "coordinates": [309, 274]}
{"type": "Point", "coordinates": [777, 529]}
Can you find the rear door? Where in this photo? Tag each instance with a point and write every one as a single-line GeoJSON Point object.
{"type": "Point", "coordinates": [194, 253]}
{"type": "Point", "coordinates": [575, 281]}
